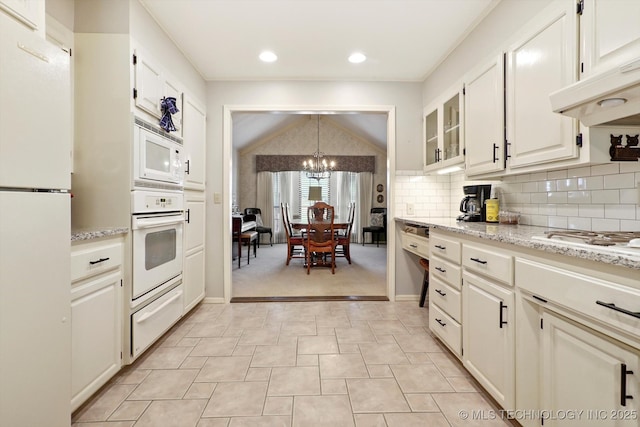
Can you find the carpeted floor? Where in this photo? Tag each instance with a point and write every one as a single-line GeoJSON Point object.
{"type": "Point", "coordinates": [267, 275]}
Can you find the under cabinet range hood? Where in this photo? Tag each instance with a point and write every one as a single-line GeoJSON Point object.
{"type": "Point", "coordinates": [609, 98]}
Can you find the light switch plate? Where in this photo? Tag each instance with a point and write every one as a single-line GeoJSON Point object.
{"type": "Point", "coordinates": [217, 198]}
{"type": "Point", "coordinates": [410, 210]}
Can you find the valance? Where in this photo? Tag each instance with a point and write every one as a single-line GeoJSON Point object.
{"type": "Point", "coordinates": [279, 163]}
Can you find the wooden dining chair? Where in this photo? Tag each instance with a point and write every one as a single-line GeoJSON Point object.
{"type": "Point", "coordinates": [320, 237]}
{"type": "Point", "coordinates": [344, 236]}
{"type": "Point", "coordinates": [295, 243]}
{"type": "Point", "coordinates": [247, 237]}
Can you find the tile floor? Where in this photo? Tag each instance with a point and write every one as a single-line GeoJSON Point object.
{"type": "Point", "coordinates": [293, 364]}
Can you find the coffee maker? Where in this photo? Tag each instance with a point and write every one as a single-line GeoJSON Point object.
{"type": "Point", "coordinates": [472, 205]}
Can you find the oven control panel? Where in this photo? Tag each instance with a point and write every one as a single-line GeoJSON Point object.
{"type": "Point", "coordinates": [152, 201]}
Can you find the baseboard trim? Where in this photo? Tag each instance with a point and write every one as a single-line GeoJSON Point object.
{"type": "Point", "coordinates": [212, 300]}
{"type": "Point", "coordinates": [308, 299]}
{"type": "Point", "coordinates": [407, 297]}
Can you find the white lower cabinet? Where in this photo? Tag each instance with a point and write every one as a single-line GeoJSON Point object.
{"type": "Point", "coordinates": [193, 266]}
{"type": "Point", "coordinates": [96, 317]}
{"type": "Point", "coordinates": [488, 336]}
{"type": "Point", "coordinates": [586, 372]}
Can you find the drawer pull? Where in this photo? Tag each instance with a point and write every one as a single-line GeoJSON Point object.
{"type": "Point", "coordinates": [441, 270]}
{"type": "Point", "coordinates": [440, 292]}
{"type": "Point", "coordinates": [441, 247]}
{"type": "Point", "coordinates": [623, 384]}
{"type": "Point", "coordinates": [612, 306]}
{"type": "Point", "coordinates": [502, 322]}
{"type": "Point", "coordinates": [413, 245]}
{"type": "Point", "coordinates": [441, 322]}
{"type": "Point", "coordinates": [478, 260]}
{"type": "Point", "coordinates": [99, 261]}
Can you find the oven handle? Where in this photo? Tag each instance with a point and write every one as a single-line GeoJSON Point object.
{"type": "Point", "coordinates": [159, 308]}
{"type": "Point", "coordinates": [157, 221]}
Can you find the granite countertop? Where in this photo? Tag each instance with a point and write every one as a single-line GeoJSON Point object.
{"type": "Point", "coordinates": [89, 234]}
{"type": "Point", "coordinates": [521, 235]}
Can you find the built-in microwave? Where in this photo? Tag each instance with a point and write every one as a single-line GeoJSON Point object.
{"type": "Point", "coordinates": [157, 158]}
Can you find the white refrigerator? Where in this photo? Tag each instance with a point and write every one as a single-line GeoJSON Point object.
{"type": "Point", "coordinates": [35, 217]}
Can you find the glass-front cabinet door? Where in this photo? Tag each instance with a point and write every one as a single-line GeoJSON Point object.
{"type": "Point", "coordinates": [443, 133]}
{"type": "Point", "coordinates": [451, 128]}
{"type": "Point", "coordinates": [432, 146]}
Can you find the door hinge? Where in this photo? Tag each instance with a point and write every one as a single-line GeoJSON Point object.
{"type": "Point", "coordinates": [464, 151]}
{"type": "Point", "coordinates": [135, 93]}
{"type": "Point", "coordinates": [464, 90]}
{"type": "Point", "coordinates": [135, 59]}
{"type": "Point", "coordinates": [120, 282]}
{"type": "Point", "coordinates": [542, 420]}
{"type": "Point", "coordinates": [579, 140]}
{"type": "Point", "coordinates": [582, 67]}
{"type": "Point", "coordinates": [541, 323]}
{"type": "Point", "coordinates": [580, 7]}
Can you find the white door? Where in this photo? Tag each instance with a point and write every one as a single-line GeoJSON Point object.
{"type": "Point", "coordinates": [540, 63]}
{"type": "Point", "coordinates": [96, 325]}
{"type": "Point", "coordinates": [610, 34]}
{"type": "Point", "coordinates": [35, 110]}
{"type": "Point", "coordinates": [149, 84]}
{"type": "Point", "coordinates": [194, 134]}
{"type": "Point", "coordinates": [484, 119]}
{"type": "Point", "coordinates": [35, 309]}
{"type": "Point", "coordinates": [488, 339]}
{"type": "Point", "coordinates": [583, 370]}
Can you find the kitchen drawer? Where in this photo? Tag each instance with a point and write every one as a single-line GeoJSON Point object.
{"type": "Point", "coordinates": [89, 260]}
{"type": "Point", "coordinates": [153, 320]}
{"type": "Point", "coordinates": [415, 244]}
{"type": "Point", "coordinates": [447, 329]}
{"type": "Point", "coordinates": [580, 294]}
{"type": "Point", "coordinates": [446, 271]}
{"type": "Point", "coordinates": [446, 298]}
{"type": "Point", "coordinates": [446, 248]}
{"type": "Point", "coordinates": [487, 261]}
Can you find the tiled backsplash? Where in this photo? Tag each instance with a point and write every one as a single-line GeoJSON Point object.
{"type": "Point", "coordinates": [601, 197]}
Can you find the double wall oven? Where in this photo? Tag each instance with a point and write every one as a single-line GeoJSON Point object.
{"type": "Point", "coordinates": [157, 224]}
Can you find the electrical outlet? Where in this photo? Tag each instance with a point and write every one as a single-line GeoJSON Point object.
{"type": "Point", "coordinates": [410, 210]}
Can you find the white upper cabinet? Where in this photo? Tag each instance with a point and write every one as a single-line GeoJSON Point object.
{"type": "Point", "coordinates": [443, 133]}
{"type": "Point", "coordinates": [194, 134]}
{"type": "Point", "coordinates": [152, 84]}
{"type": "Point", "coordinates": [542, 61]}
{"type": "Point", "coordinates": [610, 34]}
{"type": "Point", "coordinates": [29, 12]}
{"type": "Point", "coordinates": [149, 87]}
{"type": "Point", "coordinates": [484, 118]}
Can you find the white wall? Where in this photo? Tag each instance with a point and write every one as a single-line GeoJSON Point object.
{"type": "Point", "coordinates": [406, 97]}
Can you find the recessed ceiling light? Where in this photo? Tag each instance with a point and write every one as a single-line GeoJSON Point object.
{"type": "Point", "coordinates": [611, 102]}
{"type": "Point", "coordinates": [268, 56]}
{"type": "Point", "coordinates": [357, 57]}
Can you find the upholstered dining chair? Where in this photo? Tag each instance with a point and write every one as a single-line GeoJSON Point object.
{"type": "Point", "coordinates": [295, 243]}
{"type": "Point", "coordinates": [260, 227]}
{"type": "Point", "coordinates": [377, 225]}
{"type": "Point", "coordinates": [344, 236]}
{"type": "Point", "coordinates": [320, 240]}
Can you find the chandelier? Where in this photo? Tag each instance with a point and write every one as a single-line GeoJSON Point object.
{"type": "Point", "coordinates": [317, 167]}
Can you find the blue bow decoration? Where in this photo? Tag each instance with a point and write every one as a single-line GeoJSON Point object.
{"type": "Point", "coordinates": [168, 106]}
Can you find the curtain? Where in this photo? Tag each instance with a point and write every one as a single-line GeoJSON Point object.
{"type": "Point", "coordinates": [343, 195]}
{"type": "Point", "coordinates": [285, 190]}
{"type": "Point", "coordinates": [264, 200]}
{"type": "Point", "coordinates": [365, 193]}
